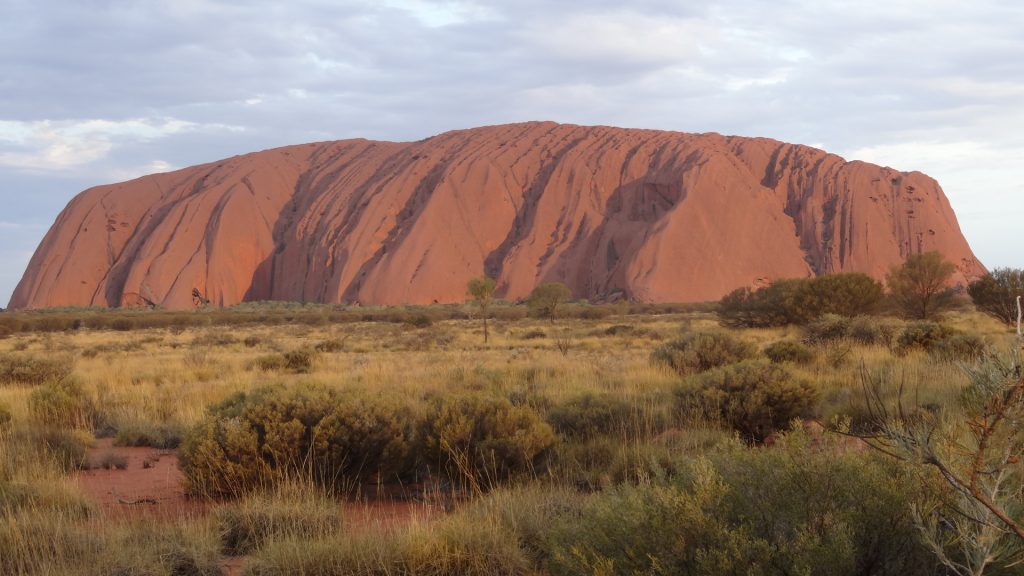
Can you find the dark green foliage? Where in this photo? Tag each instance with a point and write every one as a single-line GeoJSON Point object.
{"type": "Point", "coordinates": [996, 294]}
{"type": "Point", "coordinates": [546, 299]}
{"type": "Point", "coordinates": [483, 440]}
{"type": "Point", "coordinates": [754, 397]}
{"type": "Point", "coordinates": [33, 370]}
{"type": "Point", "coordinates": [922, 336]}
{"type": "Point", "coordinates": [962, 347]}
{"type": "Point", "coordinates": [296, 361]}
{"type": "Point", "coordinates": [873, 330]}
{"type": "Point", "coordinates": [789, 351]}
{"type": "Point", "coordinates": [797, 301]}
{"type": "Point", "coordinates": [789, 510]}
{"type": "Point", "coordinates": [827, 328]}
{"type": "Point", "coordinates": [699, 351]}
{"type": "Point", "coordinates": [591, 415]}
{"type": "Point", "coordinates": [256, 438]}
{"type": "Point", "coordinates": [919, 285]}
{"type": "Point", "coordinates": [419, 321]}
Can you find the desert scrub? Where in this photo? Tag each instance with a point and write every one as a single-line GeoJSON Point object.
{"type": "Point", "coordinates": [292, 510]}
{"type": "Point", "coordinates": [591, 415]}
{"type": "Point", "coordinates": [875, 330]}
{"type": "Point", "coordinates": [483, 440]}
{"type": "Point", "coordinates": [699, 351]}
{"type": "Point", "coordinates": [296, 361]}
{"type": "Point", "coordinates": [34, 369]}
{"type": "Point", "coordinates": [787, 510]}
{"type": "Point", "coordinates": [64, 403]}
{"type": "Point", "coordinates": [827, 328]}
{"type": "Point", "coordinates": [754, 397]}
{"type": "Point", "coordinates": [961, 347]}
{"type": "Point", "coordinates": [255, 439]}
{"type": "Point", "coordinates": [789, 351]}
{"type": "Point", "coordinates": [921, 335]}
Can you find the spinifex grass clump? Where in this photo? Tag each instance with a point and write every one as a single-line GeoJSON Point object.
{"type": "Point", "coordinates": [291, 510]}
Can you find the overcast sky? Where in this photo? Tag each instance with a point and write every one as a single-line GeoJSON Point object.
{"type": "Point", "coordinates": [95, 91]}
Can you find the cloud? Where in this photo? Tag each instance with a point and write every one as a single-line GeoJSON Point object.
{"type": "Point", "coordinates": [98, 91]}
{"type": "Point", "coordinates": [61, 145]}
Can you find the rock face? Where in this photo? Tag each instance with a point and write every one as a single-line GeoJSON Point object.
{"type": "Point", "coordinates": [648, 215]}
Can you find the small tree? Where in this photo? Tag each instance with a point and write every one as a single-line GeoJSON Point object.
{"type": "Point", "coordinates": [481, 290]}
{"type": "Point", "coordinates": [546, 298]}
{"type": "Point", "coordinates": [919, 285]}
{"type": "Point", "coordinates": [996, 294]}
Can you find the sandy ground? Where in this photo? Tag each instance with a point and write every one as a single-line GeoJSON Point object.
{"type": "Point", "coordinates": [151, 486]}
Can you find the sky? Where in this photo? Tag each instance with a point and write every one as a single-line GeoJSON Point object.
{"type": "Point", "coordinates": [96, 91]}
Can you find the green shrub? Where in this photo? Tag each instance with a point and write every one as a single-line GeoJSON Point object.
{"type": "Point", "coordinates": [789, 510]}
{"type": "Point", "coordinates": [291, 511]}
{"type": "Point", "coordinates": [789, 351]}
{"type": "Point", "coordinates": [755, 398]}
{"type": "Point", "coordinates": [419, 321]}
{"type": "Point", "coordinates": [296, 361]}
{"type": "Point", "coordinates": [699, 351]}
{"type": "Point", "coordinates": [872, 330]}
{"type": "Point", "coordinates": [591, 415]}
{"type": "Point", "coordinates": [483, 440]}
{"type": "Point", "coordinates": [63, 403]}
{"type": "Point", "coordinates": [797, 301]}
{"type": "Point", "coordinates": [922, 335]}
{"type": "Point", "coordinates": [256, 439]}
{"type": "Point", "coordinates": [996, 294]}
{"type": "Point", "coordinates": [33, 370]}
{"type": "Point", "coordinates": [827, 328]}
{"type": "Point", "coordinates": [963, 347]}
{"type": "Point", "coordinates": [68, 448]}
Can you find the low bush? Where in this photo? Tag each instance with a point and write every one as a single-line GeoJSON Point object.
{"type": "Point", "coordinates": [789, 510]}
{"type": "Point", "coordinates": [482, 440]}
{"type": "Point", "coordinates": [330, 346]}
{"type": "Point", "coordinates": [962, 347]}
{"type": "Point", "coordinates": [922, 335]}
{"type": "Point", "coordinates": [291, 511]}
{"type": "Point", "coordinates": [33, 370]}
{"type": "Point", "coordinates": [827, 328]}
{"type": "Point", "coordinates": [874, 330]}
{"type": "Point", "coordinates": [534, 335]}
{"type": "Point", "coordinates": [754, 397]}
{"type": "Point", "coordinates": [700, 351]}
{"type": "Point", "coordinates": [789, 351]}
{"type": "Point", "coordinates": [109, 461]}
{"type": "Point", "coordinates": [255, 439]}
{"type": "Point", "coordinates": [591, 415]}
{"type": "Point", "coordinates": [296, 361]}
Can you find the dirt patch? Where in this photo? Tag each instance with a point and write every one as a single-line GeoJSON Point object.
{"type": "Point", "coordinates": [150, 483]}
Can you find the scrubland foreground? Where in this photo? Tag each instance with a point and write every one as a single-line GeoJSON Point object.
{"type": "Point", "coordinates": [651, 442]}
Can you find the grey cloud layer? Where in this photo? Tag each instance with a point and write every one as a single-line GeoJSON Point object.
{"type": "Point", "coordinates": [869, 79]}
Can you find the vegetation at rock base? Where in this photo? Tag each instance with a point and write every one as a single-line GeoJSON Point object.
{"type": "Point", "coordinates": [621, 439]}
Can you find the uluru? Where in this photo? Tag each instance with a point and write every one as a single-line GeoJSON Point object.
{"type": "Point", "coordinates": [647, 215]}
